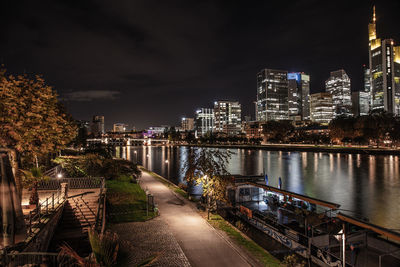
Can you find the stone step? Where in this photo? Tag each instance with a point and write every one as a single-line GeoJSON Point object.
{"type": "Point", "coordinates": [83, 204]}
{"type": "Point", "coordinates": [77, 226]}
{"type": "Point", "coordinates": [81, 207]}
{"type": "Point", "coordinates": [83, 200]}
{"type": "Point", "coordinates": [79, 219]}
{"type": "Point", "coordinates": [76, 214]}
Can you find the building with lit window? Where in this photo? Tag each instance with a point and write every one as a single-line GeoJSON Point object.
{"type": "Point", "coordinates": [187, 124]}
{"type": "Point", "coordinates": [384, 64]}
{"type": "Point", "coordinates": [298, 96]}
{"type": "Point", "coordinates": [204, 121]}
{"type": "Point", "coordinates": [272, 95]}
{"type": "Point", "coordinates": [360, 103]}
{"type": "Point", "coordinates": [120, 127]}
{"type": "Point", "coordinates": [367, 85]}
{"type": "Point", "coordinates": [228, 117]}
{"type": "Point", "coordinates": [97, 126]}
{"type": "Point", "coordinates": [338, 85]}
{"type": "Point", "coordinates": [253, 129]}
{"type": "Point", "coordinates": [321, 107]}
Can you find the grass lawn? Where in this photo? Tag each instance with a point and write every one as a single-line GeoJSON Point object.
{"type": "Point", "coordinates": [167, 183]}
{"type": "Point", "coordinates": [258, 252]}
{"type": "Point", "coordinates": [126, 201]}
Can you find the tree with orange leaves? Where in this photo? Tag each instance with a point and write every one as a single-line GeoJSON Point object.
{"type": "Point", "coordinates": [31, 120]}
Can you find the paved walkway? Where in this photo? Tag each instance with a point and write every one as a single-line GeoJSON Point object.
{"type": "Point", "coordinates": [200, 242]}
{"type": "Point", "coordinates": [149, 239]}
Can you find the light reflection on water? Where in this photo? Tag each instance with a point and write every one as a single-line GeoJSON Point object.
{"type": "Point", "coordinates": [369, 185]}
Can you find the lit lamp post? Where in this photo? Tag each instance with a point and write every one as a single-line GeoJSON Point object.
{"type": "Point", "coordinates": [208, 198]}
{"type": "Point", "coordinates": [135, 156]}
{"type": "Point", "coordinates": [344, 245]}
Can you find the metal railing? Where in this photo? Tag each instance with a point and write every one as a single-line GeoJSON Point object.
{"type": "Point", "coordinates": [44, 208]}
{"type": "Point", "coordinates": [53, 171]}
{"type": "Point", "coordinates": [73, 183]}
{"type": "Point", "coordinates": [101, 212]}
{"type": "Point", "coordinates": [36, 259]}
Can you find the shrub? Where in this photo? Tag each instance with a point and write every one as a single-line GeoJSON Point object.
{"type": "Point", "coordinates": [105, 247]}
{"type": "Point", "coordinates": [94, 165]}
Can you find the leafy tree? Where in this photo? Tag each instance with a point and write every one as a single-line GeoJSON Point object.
{"type": "Point", "coordinates": [31, 119]}
{"type": "Point", "coordinates": [30, 179]}
{"type": "Point", "coordinates": [395, 131]}
{"type": "Point", "coordinates": [277, 131]}
{"type": "Point", "coordinates": [208, 167]}
{"type": "Point", "coordinates": [95, 165]}
{"type": "Point", "coordinates": [342, 128]}
{"type": "Point", "coordinates": [190, 137]}
{"type": "Point", "coordinates": [81, 137]}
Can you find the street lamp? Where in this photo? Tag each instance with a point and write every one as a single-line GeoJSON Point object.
{"type": "Point", "coordinates": [59, 175]}
{"type": "Point", "coordinates": [166, 161]}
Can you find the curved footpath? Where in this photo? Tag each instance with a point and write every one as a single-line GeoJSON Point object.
{"type": "Point", "coordinates": [200, 242]}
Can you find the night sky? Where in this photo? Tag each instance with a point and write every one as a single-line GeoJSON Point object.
{"type": "Point", "coordinates": [147, 63]}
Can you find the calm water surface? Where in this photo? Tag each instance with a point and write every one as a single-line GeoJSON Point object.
{"type": "Point", "coordinates": [367, 185]}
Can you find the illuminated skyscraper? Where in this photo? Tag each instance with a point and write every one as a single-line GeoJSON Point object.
{"type": "Point", "coordinates": [367, 88]}
{"type": "Point", "coordinates": [272, 95]}
{"type": "Point", "coordinates": [360, 103]}
{"type": "Point", "coordinates": [228, 117]}
{"type": "Point", "coordinates": [204, 121]}
{"type": "Point", "coordinates": [384, 64]}
{"type": "Point", "coordinates": [338, 85]}
{"type": "Point", "coordinates": [187, 124]}
{"type": "Point", "coordinates": [299, 96]}
{"type": "Point", "coordinates": [321, 107]}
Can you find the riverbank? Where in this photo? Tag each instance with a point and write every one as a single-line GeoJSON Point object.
{"type": "Point", "coordinates": [202, 244]}
{"type": "Point", "coordinates": [307, 148]}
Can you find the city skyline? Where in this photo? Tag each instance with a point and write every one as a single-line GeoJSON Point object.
{"type": "Point", "coordinates": [221, 66]}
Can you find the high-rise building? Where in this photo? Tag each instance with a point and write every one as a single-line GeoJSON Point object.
{"type": "Point", "coordinates": [228, 117]}
{"type": "Point", "coordinates": [338, 85]}
{"type": "Point", "coordinates": [299, 96]}
{"type": "Point", "coordinates": [272, 95]}
{"type": "Point", "coordinates": [321, 107]}
{"type": "Point", "coordinates": [97, 127]}
{"type": "Point", "coordinates": [187, 124]}
{"type": "Point", "coordinates": [120, 127]}
{"type": "Point", "coordinates": [360, 103]}
{"type": "Point", "coordinates": [367, 87]}
{"type": "Point", "coordinates": [384, 64]}
{"type": "Point", "coordinates": [204, 121]}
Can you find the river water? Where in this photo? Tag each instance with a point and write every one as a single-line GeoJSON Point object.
{"type": "Point", "coordinates": [364, 185]}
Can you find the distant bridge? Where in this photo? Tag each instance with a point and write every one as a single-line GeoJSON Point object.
{"type": "Point", "coordinates": [127, 141]}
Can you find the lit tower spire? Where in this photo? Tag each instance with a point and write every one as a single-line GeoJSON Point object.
{"type": "Point", "coordinates": [372, 27]}
{"type": "Point", "coordinates": [374, 16]}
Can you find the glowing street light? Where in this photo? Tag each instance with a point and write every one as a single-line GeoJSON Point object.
{"type": "Point", "coordinates": [167, 161]}
{"type": "Point", "coordinates": [59, 175]}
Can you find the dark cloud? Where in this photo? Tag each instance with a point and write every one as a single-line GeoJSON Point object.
{"type": "Point", "coordinates": [167, 58]}
{"type": "Point", "coordinates": [91, 95]}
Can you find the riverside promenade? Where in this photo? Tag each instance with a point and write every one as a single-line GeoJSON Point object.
{"type": "Point", "coordinates": [200, 242]}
